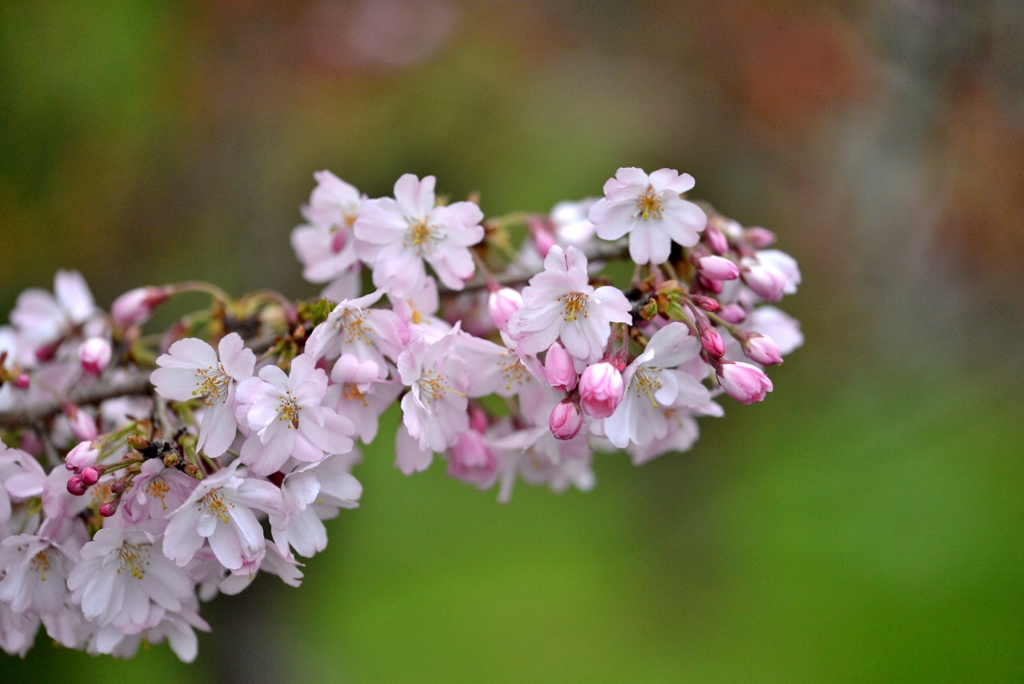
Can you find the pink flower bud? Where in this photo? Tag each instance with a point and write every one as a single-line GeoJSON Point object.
{"type": "Point", "coordinates": [718, 268]}
{"type": "Point", "coordinates": [558, 368]}
{"type": "Point", "coordinates": [542, 235]}
{"type": "Point", "coordinates": [566, 420]}
{"type": "Point", "coordinates": [91, 475]}
{"type": "Point", "coordinates": [706, 303]}
{"type": "Point", "coordinates": [22, 382]}
{"type": "Point", "coordinates": [94, 355]}
{"type": "Point", "coordinates": [502, 304]}
{"type": "Point", "coordinates": [109, 508]}
{"type": "Point", "coordinates": [733, 313]}
{"type": "Point", "coordinates": [471, 459]}
{"type": "Point", "coordinates": [759, 237]}
{"type": "Point", "coordinates": [82, 424]}
{"type": "Point", "coordinates": [712, 342]}
{"type": "Point", "coordinates": [712, 286]}
{"type": "Point", "coordinates": [716, 240]}
{"type": "Point", "coordinates": [600, 389]}
{"type": "Point", "coordinates": [766, 282]}
{"type": "Point", "coordinates": [762, 349]}
{"type": "Point", "coordinates": [83, 455]}
{"type": "Point", "coordinates": [743, 382]}
{"type": "Point", "coordinates": [136, 306]}
{"type": "Point", "coordinates": [76, 487]}
{"type": "Point", "coordinates": [478, 419]}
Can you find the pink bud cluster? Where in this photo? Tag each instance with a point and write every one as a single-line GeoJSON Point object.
{"type": "Point", "coordinates": [258, 405]}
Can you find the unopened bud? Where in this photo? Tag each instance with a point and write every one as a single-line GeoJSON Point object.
{"type": "Point", "coordinates": [601, 389]}
{"type": "Point", "coordinates": [762, 349]}
{"type": "Point", "coordinates": [759, 237]}
{"type": "Point", "coordinates": [541, 234]}
{"type": "Point", "coordinates": [713, 286]}
{"type": "Point", "coordinates": [743, 382]}
{"type": "Point", "coordinates": [136, 306]}
{"type": "Point", "coordinates": [138, 443]}
{"type": "Point", "coordinates": [706, 303]}
{"type": "Point", "coordinates": [83, 455]}
{"type": "Point", "coordinates": [559, 369]}
{"type": "Point", "coordinates": [718, 268]}
{"type": "Point", "coordinates": [91, 475]}
{"type": "Point", "coordinates": [565, 420]}
{"type": "Point", "coordinates": [716, 240]}
{"type": "Point", "coordinates": [194, 472]}
{"type": "Point", "coordinates": [501, 304]}
{"type": "Point", "coordinates": [22, 382]}
{"type": "Point", "coordinates": [82, 424]}
{"type": "Point", "coordinates": [712, 342]}
{"type": "Point", "coordinates": [766, 282]}
{"type": "Point", "coordinates": [76, 486]}
{"type": "Point", "coordinates": [733, 313]}
{"type": "Point", "coordinates": [478, 419]}
{"type": "Point", "coordinates": [94, 355]}
{"type": "Point", "coordinates": [109, 508]}
{"type": "Point", "coordinates": [118, 485]}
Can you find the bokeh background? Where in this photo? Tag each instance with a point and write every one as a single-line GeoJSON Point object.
{"type": "Point", "coordinates": [864, 524]}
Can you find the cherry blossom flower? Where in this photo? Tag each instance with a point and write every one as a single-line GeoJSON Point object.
{"type": "Point", "coordinates": [361, 393]}
{"type": "Point", "coordinates": [287, 418]}
{"type": "Point", "coordinates": [417, 311]}
{"type": "Point", "coordinates": [326, 246]}
{"type": "Point", "coordinates": [220, 510]}
{"type": "Point", "coordinates": [34, 572]}
{"type": "Point", "coordinates": [397, 235]}
{"type": "Point", "coordinates": [681, 433]}
{"type": "Point", "coordinates": [652, 385]}
{"type": "Point", "coordinates": [560, 303]}
{"type": "Point", "coordinates": [121, 573]}
{"type": "Point", "coordinates": [17, 631]}
{"type": "Point", "coordinates": [94, 355]}
{"type": "Point", "coordinates": [156, 492]}
{"type": "Point", "coordinates": [191, 370]}
{"type": "Point", "coordinates": [354, 328]}
{"type": "Point", "coordinates": [434, 409]}
{"type": "Point", "coordinates": [649, 209]}
{"type": "Point", "coordinates": [136, 306]}
{"type": "Point", "coordinates": [178, 629]}
{"type": "Point", "coordinates": [571, 223]}
{"type": "Point", "coordinates": [539, 458]}
{"type": "Point", "coordinates": [43, 318]}
{"type": "Point", "coordinates": [310, 496]}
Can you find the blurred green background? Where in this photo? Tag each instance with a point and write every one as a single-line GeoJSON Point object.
{"type": "Point", "coordinates": [864, 524]}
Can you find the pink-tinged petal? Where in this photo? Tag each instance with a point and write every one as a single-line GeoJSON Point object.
{"type": "Point", "coordinates": [630, 175]}
{"type": "Point", "coordinates": [684, 223]}
{"type": "Point", "coordinates": [258, 494]}
{"type": "Point", "coordinates": [265, 459]}
{"type": "Point", "coordinates": [238, 361]}
{"type": "Point", "coordinates": [613, 219]}
{"type": "Point", "coordinates": [276, 377]}
{"type": "Point", "coordinates": [181, 541]}
{"type": "Point", "coordinates": [307, 534]}
{"type": "Point", "coordinates": [248, 530]}
{"type": "Point", "coordinates": [672, 345]}
{"type": "Point", "coordinates": [682, 184]}
{"type": "Point", "coordinates": [176, 384]}
{"type": "Point", "coordinates": [227, 547]}
{"type": "Point", "coordinates": [306, 451]}
{"type": "Point", "coordinates": [639, 243]}
{"type": "Point", "coordinates": [409, 457]}
{"type": "Point", "coordinates": [191, 351]}
{"type": "Point", "coordinates": [616, 426]}
{"type": "Point", "coordinates": [381, 222]}
{"type": "Point", "coordinates": [263, 410]}
{"type": "Point", "coordinates": [74, 295]}
{"type": "Point", "coordinates": [662, 178]}
{"type": "Point", "coordinates": [207, 525]}
{"type": "Point", "coordinates": [334, 437]}
{"type": "Point", "coordinates": [416, 197]}
{"type": "Point", "coordinates": [218, 430]}
{"type": "Point", "coordinates": [614, 304]}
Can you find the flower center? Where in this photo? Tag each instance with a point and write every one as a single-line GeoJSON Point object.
{"type": "Point", "coordinates": [215, 505]}
{"type": "Point", "coordinates": [422, 236]}
{"type": "Point", "coordinates": [211, 384]}
{"type": "Point", "coordinates": [575, 304]}
{"type": "Point", "coordinates": [434, 387]}
{"type": "Point", "coordinates": [158, 489]}
{"type": "Point", "coordinates": [513, 370]}
{"type": "Point", "coordinates": [649, 205]}
{"type": "Point", "coordinates": [351, 323]}
{"type": "Point", "coordinates": [646, 381]}
{"type": "Point", "coordinates": [288, 410]}
{"type": "Point", "coordinates": [350, 390]}
{"type": "Point", "coordinates": [134, 559]}
{"type": "Point", "coordinates": [41, 563]}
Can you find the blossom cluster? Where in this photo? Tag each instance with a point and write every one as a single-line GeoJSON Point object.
{"type": "Point", "coordinates": [142, 473]}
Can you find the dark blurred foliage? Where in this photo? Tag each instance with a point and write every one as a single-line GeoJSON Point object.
{"type": "Point", "coordinates": [864, 524]}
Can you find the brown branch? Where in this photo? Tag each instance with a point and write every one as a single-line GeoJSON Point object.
{"type": "Point", "coordinates": [135, 381]}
